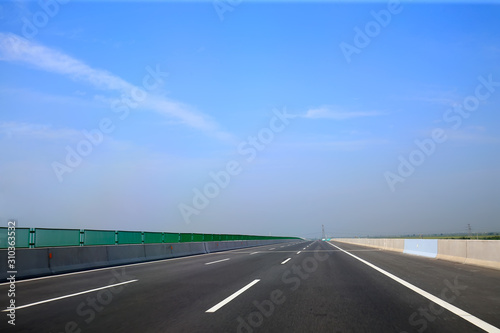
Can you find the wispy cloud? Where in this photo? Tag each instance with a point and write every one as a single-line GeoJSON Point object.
{"type": "Point", "coordinates": [335, 113]}
{"type": "Point", "coordinates": [471, 135]}
{"type": "Point", "coordinates": [434, 95]}
{"type": "Point", "coordinates": [329, 143]}
{"type": "Point", "coordinates": [346, 144]}
{"type": "Point", "coordinates": [14, 48]}
{"type": "Point", "coordinates": [468, 135]}
{"type": "Point", "coordinates": [13, 129]}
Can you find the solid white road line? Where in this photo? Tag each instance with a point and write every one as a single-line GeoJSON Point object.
{"type": "Point", "coordinates": [233, 296]}
{"type": "Point", "coordinates": [213, 262]}
{"type": "Point", "coordinates": [284, 262]}
{"type": "Point", "coordinates": [71, 295]}
{"type": "Point", "coordinates": [459, 312]}
{"type": "Point", "coordinates": [254, 253]}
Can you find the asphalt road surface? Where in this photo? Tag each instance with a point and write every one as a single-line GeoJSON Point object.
{"type": "Point", "coordinates": [295, 287]}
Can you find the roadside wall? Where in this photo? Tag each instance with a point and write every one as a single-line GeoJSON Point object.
{"type": "Point", "coordinates": [485, 253]}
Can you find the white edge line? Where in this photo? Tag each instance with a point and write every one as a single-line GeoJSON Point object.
{"type": "Point", "coordinates": [233, 296]}
{"type": "Point", "coordinates": [284, 262]}
{"type": "Point", "coordinates": [459, 312]}
{"type": "Point", "coordinates": [213, 262]}
{"type": "Point", "coordinates": [70, 295]}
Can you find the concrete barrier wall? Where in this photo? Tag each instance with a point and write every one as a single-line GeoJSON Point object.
{"type": "Point", "coordinates": [47, 261]}
{"type": "Point", "coordinates": [67, 259]}
{"type": "Point", "coordinates": [187, 249]}
{"type": "Point", "coordinates": [452, 250]}
{"type": "Point", "coordinates": [125, 254]}
{"type": "Point", "coordinates": [421, 247]}
{"type": "Point", "coordinates": [28, 263]}
{"type": "Point", "coordinates": [379, 243]}
{"type": "Point", "coordinates": [484, 253]}
{"type": "Point", "coordinates": [158, 251]}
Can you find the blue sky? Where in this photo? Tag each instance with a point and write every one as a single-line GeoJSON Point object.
{"type": "Point", "coordinates": [399, 136]}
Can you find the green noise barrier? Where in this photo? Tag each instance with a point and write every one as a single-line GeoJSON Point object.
{"type": "Point", "coordinates": [45, 237]}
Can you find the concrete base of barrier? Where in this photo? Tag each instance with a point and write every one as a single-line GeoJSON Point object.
{"type": "Point", "coordinates": [125, 254]}
{"type": "Point", "coordinates": [47, 261]}
{"type": "Point", "coordinates": [29, 263]}
{"type": "Point", "coordinates": [158, 251]}
{"type": "Point", "coordinates": [187, 249]}
{"type": "Point", "coordinates": [76, 258]}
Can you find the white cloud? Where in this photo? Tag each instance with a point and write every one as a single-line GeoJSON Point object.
{"type": "Point", "coordinates": [471, 135]}
{"type": "Point", "coordinates": [350, 144]}
{"type": "Point", "coordinates": [329, 112]}
{"type": "Point", "coordinates": [14, 48]}
{"type": "Point", "coordinates": [336, 144]}
{"type": "Point", "coordinates": [13, 129]}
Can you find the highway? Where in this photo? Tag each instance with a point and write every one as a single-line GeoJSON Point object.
{"type": "Point", "coordinates": [301, 286]}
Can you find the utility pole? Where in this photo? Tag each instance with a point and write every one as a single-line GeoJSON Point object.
{"type": "Point", "coordinates": [469, 229]}
{"type": "Point", "coordinates": [323, 231]}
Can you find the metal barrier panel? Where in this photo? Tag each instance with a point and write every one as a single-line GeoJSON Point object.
{"type": "Point", "coordinates": [57, 237]}
{"type": "Point", "coordinates": [22, 237]}
{"type": "Point", "coordinates": [129, 237]}
{"type": "Point", "coordinates": [208, 237]}
{"type": "Point", "coordinates": [99, 237]}
{"type": "Point", "coordinates": [153, 237]}
{"type": "Point", "coordinates": [186, 237]}
{"type": "Point", "coordinates": [198, 238]}
{"type": "Point", "coordinates": [171, 237]}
